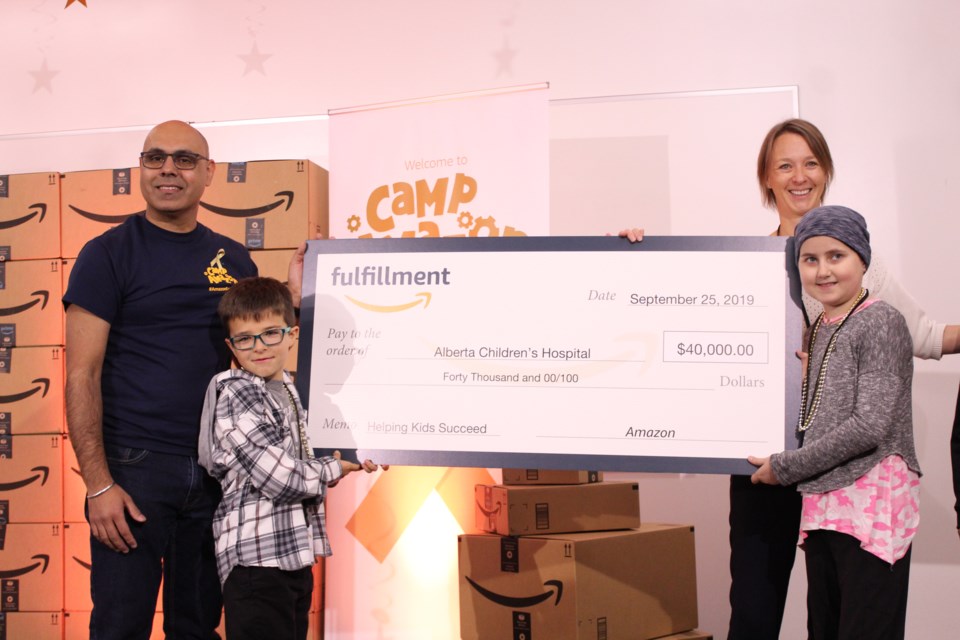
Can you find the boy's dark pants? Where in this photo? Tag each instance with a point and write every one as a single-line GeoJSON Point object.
{"type": "Point", "coordinates": [267, 602]}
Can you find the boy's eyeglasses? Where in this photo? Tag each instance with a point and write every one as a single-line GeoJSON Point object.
{"type": "Point", "coordinates": [269, 338]}
{"type": "Point", "coordinates": [183, 160]}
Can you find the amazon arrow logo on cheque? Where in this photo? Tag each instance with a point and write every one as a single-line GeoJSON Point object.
{"type": "Point", "coordinates": [42, 559]}
{"type": "Point", "coordinates": [41, 210]}
{"type": "Point", "coordinates": [521, 602]}
{"type": "Point", "coordinates": [387, 276]}
{"type": "Point", "coordinates": [42, 297]}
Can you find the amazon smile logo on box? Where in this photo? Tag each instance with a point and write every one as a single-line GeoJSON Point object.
{"type": "Point", "coordinates": [42, 560]}
{"type": "Point", "coordinates": [40, 473]}
{"type": "Point", "coordinates": [40, 210]}
{"type": "Point", "coordinates": [285, 196]}
{"type": "Point", "coordinates": [521, 602]}
{"type": "Point", "coordinates": [42, 383]}
{"type": "Point", "coordinates": [105, 218]}
{"type": "Point", "coordinates": [42, 297]}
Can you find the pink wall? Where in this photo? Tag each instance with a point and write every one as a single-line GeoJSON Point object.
{"type": "Point", "coordinates": [874, 75]}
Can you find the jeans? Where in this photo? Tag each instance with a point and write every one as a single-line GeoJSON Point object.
{"type": "Point", "coordinates": [178, 499]}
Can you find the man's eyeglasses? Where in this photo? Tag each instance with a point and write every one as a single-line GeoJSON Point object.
{"type": "Point", "coordinates": [184, 160]}
{"type": "Point", "coordinates": [269, 338]}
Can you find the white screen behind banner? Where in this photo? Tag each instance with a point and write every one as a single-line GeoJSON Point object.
{"type": "Point", "coordinates": [673, 163]}
{"type": "Point", "coordinates": [694, 153]}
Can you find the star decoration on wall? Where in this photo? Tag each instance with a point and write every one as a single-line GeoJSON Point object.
{"type": "Point", "coordinates": [504, 58]}
{"type": "Point", "coordinates": [254, 60]}
{"type": "Point", "coordinates": [70, 2]}
{"type": "Point", "coordinates": [43, 77]}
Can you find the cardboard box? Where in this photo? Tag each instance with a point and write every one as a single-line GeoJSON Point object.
{"type": "Point", "coordinates": [31, 390]}
{"type": "Point", "coordinates": [95, 201]}
{"type": "Point", "coordinates": [30, 216]}
{"type": "Point", "coordinates": [267, 204]}
{"type": "Point", "coordinates": [65, 267]}
{"type": "Point", "coordinates": [550, 476]}
{"type": "Point", "coordinates": [525, 510]}
{"type": "Point", "coordinates": [31, 567]}
{"type": "Point", "coordinates": [31, 468]}
{"type": "Point", "coordinates": [273, 263]}
{"type": "Point", "coordinates": [39, 625]}
{"type": "Point", "coordinates": [74, 491]}
{"type": "Point", "coordinates": [634, 585]}
{"type": "Point", "coordinates": [76, 566]}
{"type": "Point", "coordinates": [31, 313]}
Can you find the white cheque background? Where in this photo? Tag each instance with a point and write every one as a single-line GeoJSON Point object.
{"type": "Point", "coordinates": [379, 381]}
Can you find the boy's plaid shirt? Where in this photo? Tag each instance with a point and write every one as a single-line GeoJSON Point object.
{"type": "Point", "coordinates": [271, 513]}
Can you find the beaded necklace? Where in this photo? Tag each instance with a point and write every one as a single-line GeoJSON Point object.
{"type": "Point", "coordinates": [807, 413]}
{"type": "Point", "coordinates": [305, 450]}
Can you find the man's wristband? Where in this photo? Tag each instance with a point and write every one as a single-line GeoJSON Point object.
{"type": "Point", "coordinates": [97, 494]}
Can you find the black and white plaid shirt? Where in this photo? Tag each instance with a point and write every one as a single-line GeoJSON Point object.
{"type": "Point", "coordinates": [271, 514]}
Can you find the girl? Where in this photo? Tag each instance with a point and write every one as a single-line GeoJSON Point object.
{"type": "Point", "coordinates": [857, 468]}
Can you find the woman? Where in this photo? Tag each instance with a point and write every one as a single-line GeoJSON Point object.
{"type": "Point", "coordinates": [794, 172]}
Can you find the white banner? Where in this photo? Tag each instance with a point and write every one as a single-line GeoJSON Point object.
{"type": "Point", "coordinates": [466, 165]}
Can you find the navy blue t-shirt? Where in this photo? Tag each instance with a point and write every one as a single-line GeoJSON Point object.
{"type": "Point", "coordinates": [159, 291]}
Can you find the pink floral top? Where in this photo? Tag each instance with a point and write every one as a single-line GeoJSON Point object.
{"type": "Point", "coordinates": [881, 509]}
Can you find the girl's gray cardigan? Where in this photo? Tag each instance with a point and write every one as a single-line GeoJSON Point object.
{"type": "Point", "coordinates": [866, 411]}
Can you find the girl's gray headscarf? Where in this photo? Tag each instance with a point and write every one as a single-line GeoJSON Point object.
{"type": "Point", "coordinates": [842, 223]}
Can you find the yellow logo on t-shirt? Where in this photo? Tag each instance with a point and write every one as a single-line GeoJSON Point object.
{"type": "Point", "coordinates": [217, 274]}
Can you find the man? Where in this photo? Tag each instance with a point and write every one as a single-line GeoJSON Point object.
{"type": "Point", "coordinates": [142, 341]}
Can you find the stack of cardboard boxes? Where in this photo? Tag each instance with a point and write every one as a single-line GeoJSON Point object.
{"type": "Point", "coordinates": [45, 219]}
{"type": "Point", "coordinates": [31, 407]}
{"type": "Point", "coordinates": [566, 556]}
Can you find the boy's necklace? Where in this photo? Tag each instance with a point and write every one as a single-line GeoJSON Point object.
{"type": "Point", "coordinates": [808, 413]}
{"type": "Point", "coordinates": [304, 446]}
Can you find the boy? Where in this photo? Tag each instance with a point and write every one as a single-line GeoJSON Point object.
{"type": "Point", "coordinates": [269, 526]}
{"type": "Point", "coordinates": [857, 466]}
